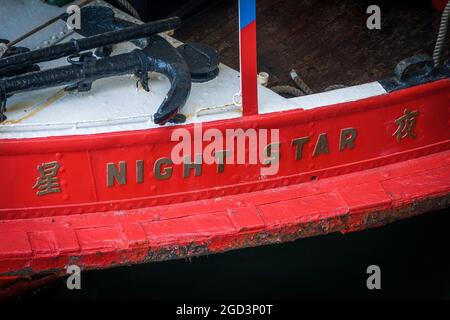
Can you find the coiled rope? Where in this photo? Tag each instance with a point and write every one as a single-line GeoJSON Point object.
{"type": "Point", "coordinates": [301, 90]}
{"type": "Point", "coordinates": [301, 84]}
{"type": "Point", "coordinates": [290, 90]}
{"type": "Point", "coordinates": [441, 35]}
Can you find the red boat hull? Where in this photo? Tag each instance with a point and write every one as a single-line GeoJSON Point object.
{"type": "Point", "coordinates": [326, 184]}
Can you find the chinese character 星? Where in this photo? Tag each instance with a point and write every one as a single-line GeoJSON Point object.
{"type": "Point", "coordinates": [47, 182]}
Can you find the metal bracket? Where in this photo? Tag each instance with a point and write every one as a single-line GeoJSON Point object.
{"type": "Point", "coordinates": [85, 60]}
{"type": "Point", "coordinates": [142, 74]}
{"type": "Point", "coordinates": [414, 68]}
{"type": "Point", "coordinates": [414, 71]}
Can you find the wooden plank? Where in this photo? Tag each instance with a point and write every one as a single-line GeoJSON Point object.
{"type": "Point", "coordinates": [326, 41]}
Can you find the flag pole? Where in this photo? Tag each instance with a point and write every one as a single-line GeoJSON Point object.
{"type": "Point", "coordinates": [248, 57]}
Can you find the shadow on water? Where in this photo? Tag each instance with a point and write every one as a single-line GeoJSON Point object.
{"type": "Point", "coordinates": [412, 255]}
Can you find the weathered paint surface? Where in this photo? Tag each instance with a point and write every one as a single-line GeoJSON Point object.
{"type": "Point", "coordinates": [379, 181]}
{"type": "Point", "coordinates": [83, 159]}
{"type": "Point", "coordinates": [44, 247]}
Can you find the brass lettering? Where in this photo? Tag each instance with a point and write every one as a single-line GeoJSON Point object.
{"type": "Point", "coordinates": [299, 143]}
{"type": "Point", "coordinates": [166, 173]}
{"type": "Point", "coordinates": [221, 155]}
{"type": "Point", "coordinates": [139, 171]}
{"type": "Point", "coordinates": [270, 155]}
{"type": "Point", "coordinates": [47, 182]}
{"type": "Point", "coordinates": [116, 175]}
{"type": "Point", "coordinates": [406, 124]}
{"type": "Point", "coordinates": [347, 140]}
{"type": "Point", "coordinates": [321, 145]}
{"type": "Point", "coordinates": [197, 166]}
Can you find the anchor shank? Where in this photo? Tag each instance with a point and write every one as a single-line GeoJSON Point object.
{"type": "Point", "coordinates": [79, 45]}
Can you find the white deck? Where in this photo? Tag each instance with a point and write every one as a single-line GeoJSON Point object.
{"type": "Point", "coordinates": [114, 104]}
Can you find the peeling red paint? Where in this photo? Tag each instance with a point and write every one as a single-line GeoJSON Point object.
{"type": "Point", "coordinates": [142, 238]}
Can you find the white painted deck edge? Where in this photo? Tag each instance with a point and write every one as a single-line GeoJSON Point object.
{"type": "Point", "coordinates": [343, 95]}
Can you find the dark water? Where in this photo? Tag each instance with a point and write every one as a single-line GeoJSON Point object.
{"type": "Point", "coordinates": [412, 254]}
